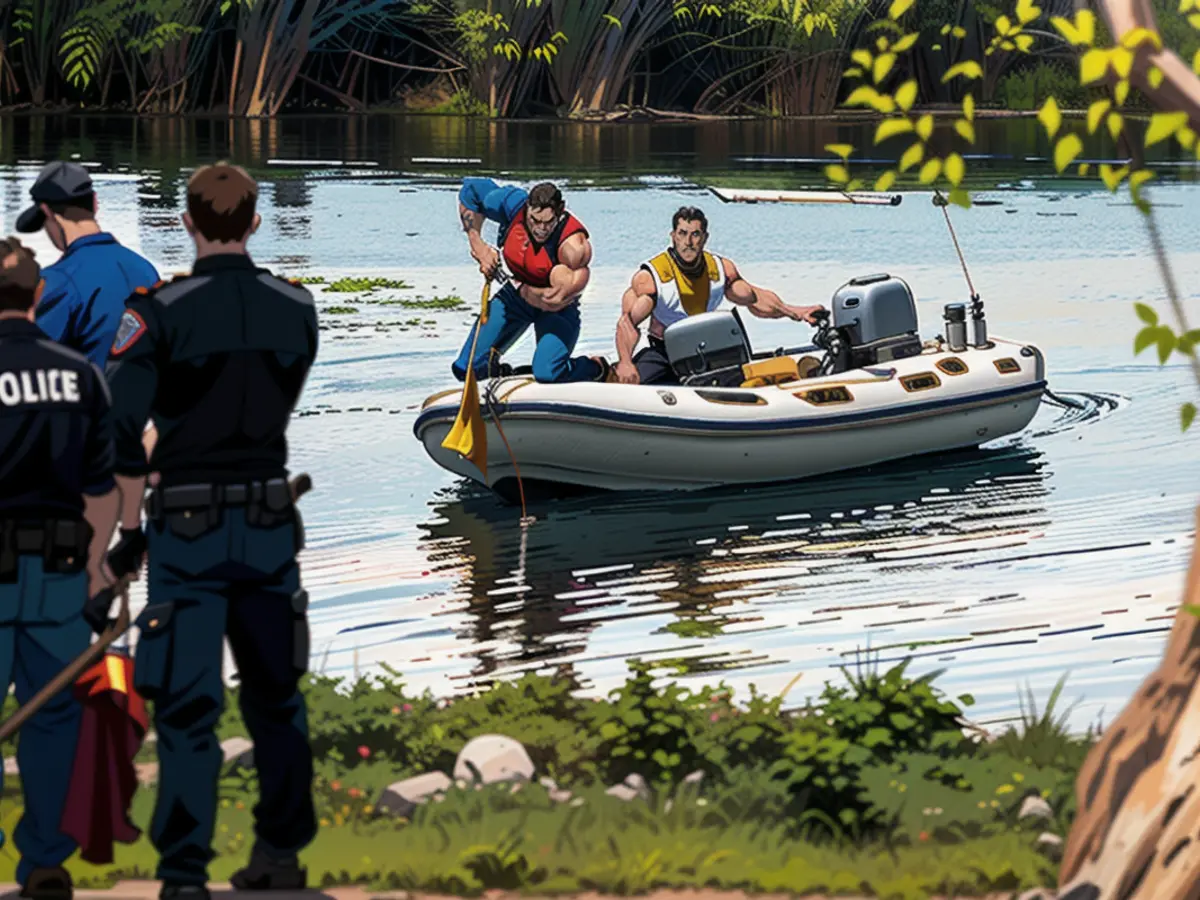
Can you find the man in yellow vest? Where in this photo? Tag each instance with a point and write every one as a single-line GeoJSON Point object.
{"type": "Point", "coordinates": [682, 281]}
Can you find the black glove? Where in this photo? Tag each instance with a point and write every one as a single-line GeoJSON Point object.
{"type": "Point", "coordinates": [126, 557]}
{"type": "Point", "coordinates": [95, 611]}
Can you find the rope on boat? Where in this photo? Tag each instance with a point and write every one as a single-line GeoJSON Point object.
{"type": "Point", "coordinates": [941, 201]}
{"type": "Point", "coordinates": [488, 396]}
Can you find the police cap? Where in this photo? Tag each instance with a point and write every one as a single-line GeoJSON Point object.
{"type": "Point", "coordinates": [58, 182]}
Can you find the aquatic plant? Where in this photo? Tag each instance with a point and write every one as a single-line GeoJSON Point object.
{"type": "Point", "coordinates": [340, 310]}
{"type": "Point", "coordinates": [358, 284]}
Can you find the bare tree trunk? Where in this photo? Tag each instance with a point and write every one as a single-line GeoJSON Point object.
{"type": "Point", "coordinates": [1134, 836]}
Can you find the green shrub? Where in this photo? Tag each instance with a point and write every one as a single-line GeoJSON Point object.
{"type": "Point", "coordinates": [1030, 86]}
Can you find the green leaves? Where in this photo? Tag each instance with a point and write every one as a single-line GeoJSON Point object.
{"type": "Point", "coordinates": [1164, 125]}
{"type": "Point", "coordinates": [1187, 413]}
{"type": "Point", "coordinates": [1067, 148]}
{"type": "Point", "coordinates": [1146, 314]}
{"type": "Point", "coordinates": [1051, 117]}
{"type": "Point", "coordinates": [966, 69]}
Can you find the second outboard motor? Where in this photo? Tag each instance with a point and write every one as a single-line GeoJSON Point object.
{"type": "Point", "coordinates": [955, 316]}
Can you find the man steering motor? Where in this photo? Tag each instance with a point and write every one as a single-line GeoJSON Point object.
{"type": "Point", "coordinates": [683, 281]}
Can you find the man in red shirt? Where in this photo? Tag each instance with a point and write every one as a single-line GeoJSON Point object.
{"type": "Point", "coordinates": [548, 252]}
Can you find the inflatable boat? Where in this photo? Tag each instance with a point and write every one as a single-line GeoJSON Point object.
{"type": "Point", "coordinates": [868, 390]}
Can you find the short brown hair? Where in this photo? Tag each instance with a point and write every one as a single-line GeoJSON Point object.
{"type": "Point", "coordinates": [19, 276]}
{"type": "Point", "coordinates": [546, 195]}
{"type": "Point", "coordinates": [221, 199]}
{"type": "Point", "coordinates": [689, 214]}
{"type": "Point", "coordinates": [78, 209]}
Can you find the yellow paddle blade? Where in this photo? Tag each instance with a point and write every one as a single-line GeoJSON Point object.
{"type": "Point", "coordinates": [468, 436]}
{"type": "Point", "coordinates": [483, 303]}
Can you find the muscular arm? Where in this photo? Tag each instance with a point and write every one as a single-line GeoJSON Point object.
{"type": "Point", "coordinates": [636, 305]}
{"type": "Point", "coordinates": [567, 279]}
{"type": "Point", "coordinates": [761, 302]}
{"type": "Point", "coordinates": [480, 200]}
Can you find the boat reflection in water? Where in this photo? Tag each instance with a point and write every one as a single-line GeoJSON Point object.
{"type": "Point", "coordinates": [726, 557]}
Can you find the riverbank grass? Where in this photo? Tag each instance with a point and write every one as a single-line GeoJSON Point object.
{"type": "Point", "coordinates": [874, 788]}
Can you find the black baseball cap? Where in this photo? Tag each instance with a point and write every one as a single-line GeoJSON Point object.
{"type": "Point", "coordinates": [58, 182]}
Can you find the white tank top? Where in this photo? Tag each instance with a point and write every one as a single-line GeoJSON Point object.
{"type": "Point", "coordinates": [680, 296]}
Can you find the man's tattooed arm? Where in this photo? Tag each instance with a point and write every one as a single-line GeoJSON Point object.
{"type": "Point", "coordinates": [471, 221]}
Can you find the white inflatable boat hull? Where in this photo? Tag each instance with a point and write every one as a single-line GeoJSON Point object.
{"type": "Point", "coordinates": [667, 437]}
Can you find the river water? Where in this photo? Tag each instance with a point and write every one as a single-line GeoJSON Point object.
{"type": "Point", "coordinates": [1059, 551]}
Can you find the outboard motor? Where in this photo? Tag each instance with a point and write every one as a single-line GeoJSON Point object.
{"type": "Point", "coordinates": [875, 318]}
{"type": "Point", "coordinates": [708, 349]}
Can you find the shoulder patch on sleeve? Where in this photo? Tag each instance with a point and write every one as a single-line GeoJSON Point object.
{"type": "Point", "coordinates": [132, 327]}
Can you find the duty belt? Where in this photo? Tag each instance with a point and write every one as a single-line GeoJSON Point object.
{"type": "Point", "coordinates": [61, 543]}
{"type": "Point", "coordinates": [273, 493]}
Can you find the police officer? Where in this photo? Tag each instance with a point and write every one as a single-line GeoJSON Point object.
{"type": "Point", "coordinates": [84, 295]}
{"type": "Point", "coordinates": [57, 499]}
{"type": "Point", "coordinates": [218, 358]}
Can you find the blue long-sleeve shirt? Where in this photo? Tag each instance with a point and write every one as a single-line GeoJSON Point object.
{"type": "Point", "coordinates": [496, 203]}
{"type": "Point", "coordinates": [85, 291]}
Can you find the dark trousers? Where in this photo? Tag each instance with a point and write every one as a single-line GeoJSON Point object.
{"type": "Point", "coordinates": [509, 317]}
{"type": "Point", "coordinates": [41, 631]}
{"type": "Point", "coordinates": [652, 364]}
{"type": "Point", "coordinates": [240, 582]}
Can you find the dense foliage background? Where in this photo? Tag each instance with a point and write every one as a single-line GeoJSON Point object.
{"type": "Point", "coordinates": [510, 57]}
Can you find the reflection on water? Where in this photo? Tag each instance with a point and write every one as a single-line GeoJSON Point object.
{"type": "Point", "coordinates": [714, 559]}
{"type": "Point", "coordinates": [1061, 549]}
{"type": "Point", "coordinates": [382, 144]}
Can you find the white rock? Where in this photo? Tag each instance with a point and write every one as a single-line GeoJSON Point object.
{"type": "Point", "coordinates": [1037, 807]}
{"type": "Point", "coordinates": [1050, 844]}
{"type": "Point", "coordinates": [622, 792]}
{"type": "Point", "coordinates": [238, 750]}
{"type": "Point", "coordinates": [403, 797]}
{"type": "Point", "coordinates": [634, 787]}
{"type": "Point", "coordinates": [491, 758]}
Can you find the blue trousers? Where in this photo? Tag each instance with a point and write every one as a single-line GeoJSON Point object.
{"type": "Point", "coordinates": [41, 631]}
{"type": "Point", "coordinates": [508, 318]}
{"type": "Point", "coordinates": [209, 582]}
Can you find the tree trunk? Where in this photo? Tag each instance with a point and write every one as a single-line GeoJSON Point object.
{"type": "Point", "coordinates": [1135, 833]}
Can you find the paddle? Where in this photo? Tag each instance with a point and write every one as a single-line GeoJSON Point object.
{"type": "Point", "coordinates": [468, 436]}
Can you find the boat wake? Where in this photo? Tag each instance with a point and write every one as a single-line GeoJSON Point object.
{"type": "Point", "coordinates": [1079, 408]}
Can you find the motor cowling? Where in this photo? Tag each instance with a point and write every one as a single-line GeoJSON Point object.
{"type": "Point", "coordinates": [708, 344]}
{"type": "Point", "coordinates": [877, 318]}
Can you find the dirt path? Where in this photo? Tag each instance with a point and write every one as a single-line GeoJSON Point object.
{"type": "Point", "coordinates": [148, 890]}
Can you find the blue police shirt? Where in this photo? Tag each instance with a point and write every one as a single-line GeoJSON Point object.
{"type": "Point", "coordinates": [84, 296]}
